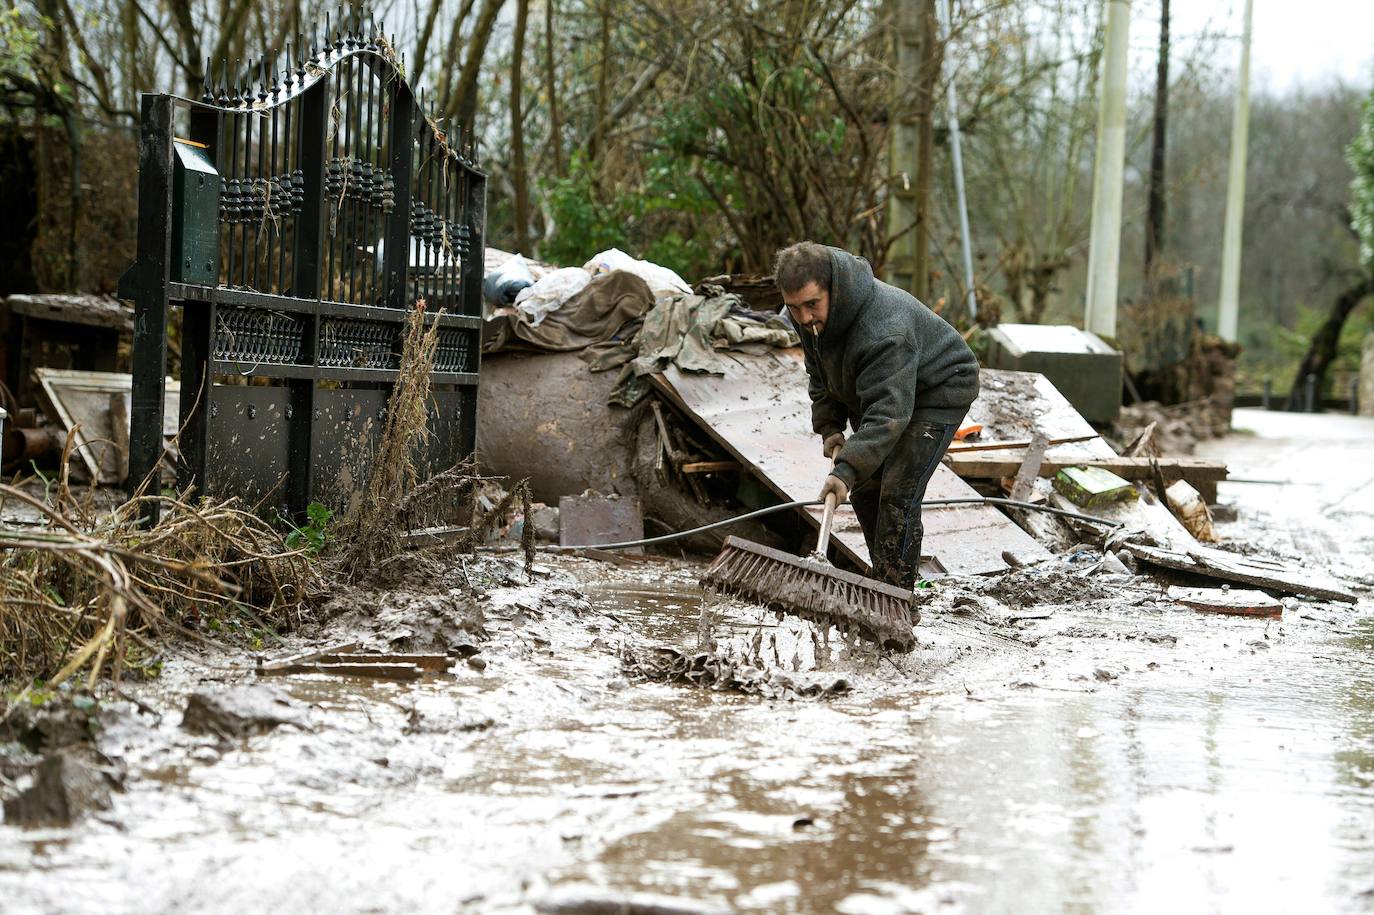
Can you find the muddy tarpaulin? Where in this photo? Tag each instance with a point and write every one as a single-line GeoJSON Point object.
{"type": "Point", "coordinates": [616, 321]}
{"type": "Point", "coordinates": [686, 331]}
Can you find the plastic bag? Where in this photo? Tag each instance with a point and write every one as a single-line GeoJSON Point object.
{"type": "Point", "coordinates": [661, 280]}
{"type": "Point", "coordinates": [548, 295]}
{"type": "Point", "coordinates": [504, 284]}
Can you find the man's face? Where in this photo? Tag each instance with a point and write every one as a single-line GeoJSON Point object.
{"type": "Point", "coordinates": [809, 307]}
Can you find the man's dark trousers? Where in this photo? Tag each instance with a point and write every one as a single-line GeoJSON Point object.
{"type": "Point", "coordinates": [889, 503]}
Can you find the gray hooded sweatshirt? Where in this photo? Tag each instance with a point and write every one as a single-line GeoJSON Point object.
{"type": "Point", "coordinates": [882, 361]}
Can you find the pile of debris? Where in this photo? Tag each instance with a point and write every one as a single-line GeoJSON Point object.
{"type": "Point", "coordinates": [748, 421]}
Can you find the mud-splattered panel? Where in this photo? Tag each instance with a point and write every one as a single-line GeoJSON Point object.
{"type": "Point", "coordinates": [247, 455]}
{"type": "Point", "coordinates": [759, 411]}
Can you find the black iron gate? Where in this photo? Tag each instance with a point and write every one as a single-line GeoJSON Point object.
{"type": "Point", "coordinates": [295, 220]}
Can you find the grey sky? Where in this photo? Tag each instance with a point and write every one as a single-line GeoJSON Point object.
{"type": "Point", "coordinates": [1295, 41]}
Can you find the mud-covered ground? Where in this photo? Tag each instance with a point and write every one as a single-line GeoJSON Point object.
{"type": "Point", "coordinates": [1064, 738]}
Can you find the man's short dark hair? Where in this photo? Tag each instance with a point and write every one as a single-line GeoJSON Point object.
{"type": "Point", "coordinates": [802, 263]}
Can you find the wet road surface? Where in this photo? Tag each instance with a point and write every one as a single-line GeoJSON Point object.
{"type": "Point", "coordinates": [1111, 758]}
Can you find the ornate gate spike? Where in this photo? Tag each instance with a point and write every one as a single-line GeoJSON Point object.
{"type": "Point", "coordinates": [235, 96]}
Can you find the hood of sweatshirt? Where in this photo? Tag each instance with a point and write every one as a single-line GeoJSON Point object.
{"type": "Point", "coordinates": [851, 287]}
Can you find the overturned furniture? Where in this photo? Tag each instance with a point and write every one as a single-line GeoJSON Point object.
{"type": "Point", "coordinates": [295, 227]}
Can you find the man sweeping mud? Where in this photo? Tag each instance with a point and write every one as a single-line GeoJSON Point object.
{"type": "Point", "coordinates": [895, 372]}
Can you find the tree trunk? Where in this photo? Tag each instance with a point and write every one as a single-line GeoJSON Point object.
{"type": "Point", "coordinates": [1154, 219]}
{"type": "Point", "coordinates": [603, 84]}
{"type": "Point", "coordinates": [517, 132]}
{"type": "Point", "coordinates": [422, 46]}
{"type": "Point", "coordinates": [551, 89]}
{"type": "Point", "coordinates": [1322, 351]}
{"type": "Point", "coordinates": [463, 105]}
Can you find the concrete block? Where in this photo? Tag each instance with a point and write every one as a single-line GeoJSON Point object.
{"type": "Point", "coordinates": [1085, 369]}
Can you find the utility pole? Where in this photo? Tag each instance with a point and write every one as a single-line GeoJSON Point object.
{"type": "Point", "coordinates": [911, 145]}
{"type": "Point", "coordinates": [1104, 254]}
{"type": "Point", "coordinates": [1228, 310]}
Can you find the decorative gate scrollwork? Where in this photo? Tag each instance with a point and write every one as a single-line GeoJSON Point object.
{"type": "Point", "coordinates": [295, 220]}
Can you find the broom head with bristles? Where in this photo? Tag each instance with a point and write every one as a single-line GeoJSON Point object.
{"type": "Point", "coordinates": [816, 591]}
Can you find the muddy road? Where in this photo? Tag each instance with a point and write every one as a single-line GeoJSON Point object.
{"type": "Point", "coordinates": [1062, 740]}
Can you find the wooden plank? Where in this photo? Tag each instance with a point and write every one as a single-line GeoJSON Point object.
{"type": "Point", "coordinates": [760, 413]}
{"type": "Point", "coordinates": [1246, 570]}
{"type": "Point", "coordinates": [710, 466]}
{"type": "Point", "coordinates": [90, 310]}
{"type": "Point", "coordinates": [962, 447]}
{"type": "Point", "coordinates": [1228, 601]}
{"type": "Point", "coordinates": [435, 663]}
{"type": "Point", "coordinates": [983, 467]}
{"type": "Point", "coordinates": [311, 655]}
{"type": "Point", "coordinates": [1029, 470]}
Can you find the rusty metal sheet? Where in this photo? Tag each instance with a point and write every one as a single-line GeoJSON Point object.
{"type": "Point", "coordinates": [592, 520]}
{"type": "Point", "coordinates": [759, 411]}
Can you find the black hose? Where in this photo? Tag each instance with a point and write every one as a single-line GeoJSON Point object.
{"type": "Point", "coordinates": [759, 513]}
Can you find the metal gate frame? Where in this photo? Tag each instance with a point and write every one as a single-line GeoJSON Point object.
{"type": "Point", "coordinates": [348, 207]}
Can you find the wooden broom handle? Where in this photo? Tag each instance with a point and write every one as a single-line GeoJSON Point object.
{"type": "Point", "coordinates": [832, 502]}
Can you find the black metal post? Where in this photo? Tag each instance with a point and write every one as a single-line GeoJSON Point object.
{"type": "Point", "coordinates": [150, 299]}
{"type": "Point", "coordinates": [197, 345]}
{"type": "Point", "coordinates": [476, 219]}
{"type": "Point", "coordinates": [396, 253]}
{"type": "Point", "coordinates": [312, 140]}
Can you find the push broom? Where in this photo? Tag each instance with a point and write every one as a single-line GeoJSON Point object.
{"type": "Point", "coordinates": [811, 588]}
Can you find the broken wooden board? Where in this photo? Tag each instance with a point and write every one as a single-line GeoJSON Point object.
{"type": "Point", "coordinates": [1248, 570]}
{"type": "Point", "coordinates": [1013, 406]}
{"type": "Point", "coordinates": [759, 412]}
{"type": "Point", "coordinates": [979, 445]}
{"type": "Point", "coordinates": [1190, 508]}
{"type": "Point", "coordinates": [90, 310]}
{"type": "Point", "coordinates": [593, 520]}
{"type": "Point", "coordinates": [74, 398]}
{"type": "Point", "coordinates": [1228, 601]}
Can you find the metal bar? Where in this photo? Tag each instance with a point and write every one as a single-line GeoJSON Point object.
{"type": "Point", "coordinates": [345, 228]}
{"type": "Point", "coordinates": [193, 293]}
{"type": "Point", "coordinates": [425, 190]}
{"type": "Point", "coordinates": [367, 284]}
{"type": "Point", "coordinates": [150, 302]}
{"type": "Point", "coordinates": [231, 209]}
{"type": "Point", "coordinates": [359, 207]}
{"type": "Point", "coordinates": [262, 187]}
{"type": "Point", "coordinates": [449, 250]}
{"type": "Point", "coordinates": [396, 256]}
{"type": "Point", "coordinates": [246, 192]}
{"type": "Point", "coordinates": [332, 373]}
{"type": "Point", "coordinates": [271, 208]}
{"type": "Point", "coordinates": [332, 127]}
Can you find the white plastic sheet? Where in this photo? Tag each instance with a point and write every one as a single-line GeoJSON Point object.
{"type": "Point", "coordinates": [661, 280]}
{"type": "Point", "coordinates": [550, 292]}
